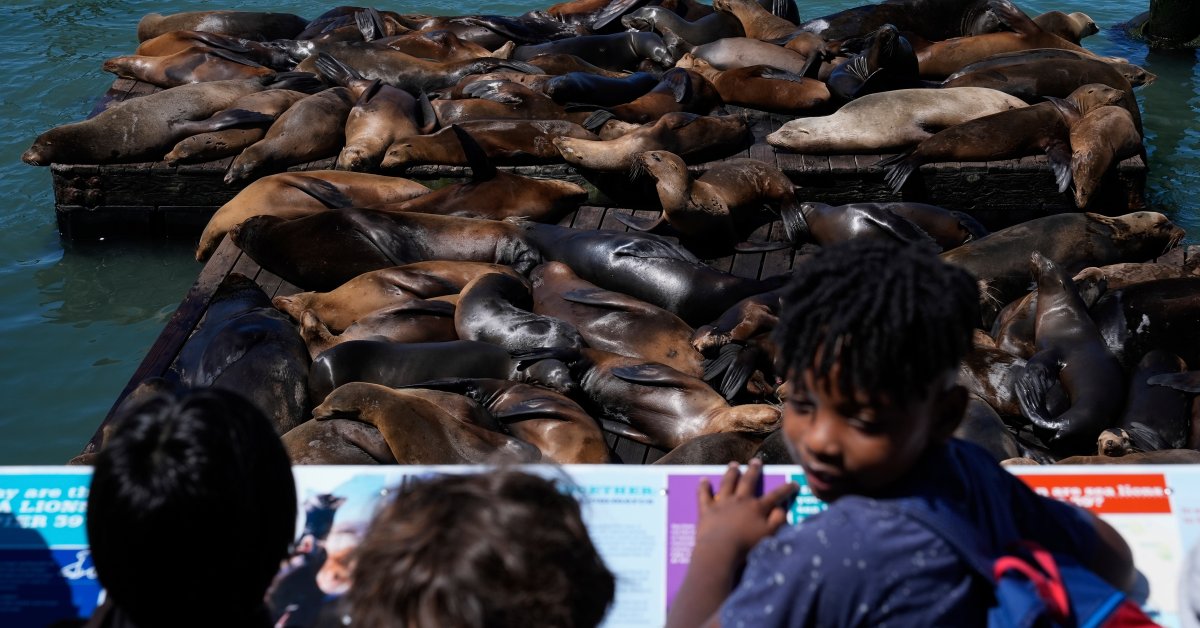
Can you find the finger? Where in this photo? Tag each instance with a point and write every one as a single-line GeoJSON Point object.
{"type": "Point", "coordinates": [729, 481]}
{"type": "Point", "coordinates": [704, 494]}
{"type": "Point", "coordinates": [779, 496]}
{"type": "Point", "coordinates": [749, 484]}
{"type": "Point", "coordinates": [777, 518]}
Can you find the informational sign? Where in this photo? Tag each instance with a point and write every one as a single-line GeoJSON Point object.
{"type": "Point", "coordinates": [641, 518]}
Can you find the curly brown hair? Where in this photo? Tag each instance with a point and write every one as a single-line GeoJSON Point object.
{"type": "Point", "coordinates": [495, 549]}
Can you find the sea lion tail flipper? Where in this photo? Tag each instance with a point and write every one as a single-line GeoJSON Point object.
{"type": "Point", "coordinates": [734, 364]}
{"type": "Point", "coordinates": [640, 223]}
{"type": "Point", "coordinates": [775, 74]}
{"type": "Point", "coordinates": [1059, 154]}
{"type": "Point", "coordinates": [597, 120]}
{"type": "Point", "coordinates": [234, 57]}
{"type": "Point", "coordinates": [1031, 384]}
{"type": "Point", "coordinates": [679, 82]}
{"type": "Point", "coordinates": [224, 120]}
{"type": "Point", "coordinates": [335, 71]}
{"type": "Point", "coordinates": [526, 357]}
{"type": "Point", "coordinates": [321, 190]}
{"type": "Point", "coordinates": [482, 168]}
{"type": "Point", "coordinates": [370, 24]}
{"type": "Point", "coordinates": [1144, 438]}
{"type": "Point", "coordinates": [306, 82]}
{"type": "Point", "coordinates": [624, 430]}
{"type": "Point", "coordinates": [1013, 17]}
{"type": "Point", "coordinates": [614, 10]}
{"type": "Point", "coordinates": [1188, 381]}
{"type": "Point", "coordinates": [899, 168]}
{"type": "Point", "coordinates": [795, 225]}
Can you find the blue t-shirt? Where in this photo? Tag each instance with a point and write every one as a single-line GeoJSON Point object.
{"type": "Point", "coordinates": [862, 564]}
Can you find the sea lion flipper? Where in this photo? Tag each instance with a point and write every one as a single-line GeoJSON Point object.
{"type": "Point", "coordinates": [428, 119]}
{"type": "Point", "coordinates": [899, 168]}
{"type": "Point", "coordinates": [639, 223]}
{"type": "Point", "coordinates": [370, 24]}
{"type": "Point", "coordinates": [597, 297]}
{"type": "Point", "coordinates": [425, 306]}
{"type": "Point", "coordinates": [597, 120]}
{"type": "Point", "coordinates": [645, 247]}
{"type": "Point", "coordinates": [321, 190]}
{"type": "Point", "coordinates": [482, 168]}
{"type": "Point", "coordinates": [229, 55]}
{"type": "Point", "coordinates": [1014, 17]}
{"type": "Point", "coordinates": [624, 430]}
{"type": "Point", "coordinates": [1144, 438]}
{"type": "Point", "coordinates": [227, 119]}
{"type": "Point", "coordinates": [369, 92]}
{"type": "Point", "coordinates": [331, 68]}
{"type": "Point", "coordinates": [734, 364]}
{"type": "Point", "coordinates": [1031, 383]}
{"type": "Point", "coordinates": [1188, 381]}
{"type": "Point", "coordinates": [648, 374]}
{"type": "Point", "coordinates": [775, 74]}
{"type": "Point", "coordinates": [680, 83]}
{"type": "Point", "coordinates": [1059, 154]}
{"type": "Point", "coordinates": [216, 40]}
{"type": "Point", "coordinates": [614, 10]}
{"type": "Point", "coordinates": [902, 229]}
{"type": "Point", "coordinates": [759, 246]}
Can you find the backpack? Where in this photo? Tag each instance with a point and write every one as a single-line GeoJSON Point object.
{"type": "Point", "coordinates": [1034, 587]}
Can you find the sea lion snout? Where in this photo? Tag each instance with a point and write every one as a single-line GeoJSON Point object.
{"type": "Point", "coordinates": [34, 157]}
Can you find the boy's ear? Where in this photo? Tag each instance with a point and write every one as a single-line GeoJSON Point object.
{"type": "Point", "coordinates": [949, 409]}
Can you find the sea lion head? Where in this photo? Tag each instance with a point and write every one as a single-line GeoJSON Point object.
{"type": "Point", "coordinates": [1135, 74]}
{"type": "Point", "coordinates": [1114, 443]}
{"type": "Point", "coordinates": [660, 164]}
{"type": "Point", "coordinates": [1142, 234]}
{"type": "Point", "coordinates": [1094, 95]}
{"type": "Point", "coordinates": [1084, 25]}
{"type": "Point", "coordinates": [398, 155]}
{"type": "Point", "coordinates": [355, 159]}
{"type": "Point", "coordinates": [552, 374]}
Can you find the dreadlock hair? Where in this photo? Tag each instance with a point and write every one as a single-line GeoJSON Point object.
{"type": "Point", "coordinates": [894, 316]}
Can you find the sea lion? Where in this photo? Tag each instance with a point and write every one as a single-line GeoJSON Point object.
{"type": "Point", "coordinates": [826, 225]}
{"type": "Point", "coordinates": [1156, 416]}
{"type": "Point", "coordinates": [499, 309]}
{"type": "Point", "coordinates": [192, 65]}
{"type": "Point", "coordinates": [1162, 314]}
{"type": "Point", "coordinates": [498, 99]}
{"type": "Point", "coordinates": [678, 90]}
{"type": "Point", "coordinates": [943, 58]}
{"type": "Point", "coordinates": [685, 134]}
{"type": "Point", "coordinates": [439, 46]}
{"type": "Point", "coordinates": [613, 321]}
{"type": "Point", "coordinates": [557, 426]}
{"type": "Point", "coordinates": [176, 41]}
{"type": "Point", "coordinates": [558, 63]}
{"type": "Point", "coordinates": [602, 91]}
{"type": "Point", "coordinates": [704, 30]}
{"type": "Point", "coordinates": [720, 448]}
{"type": "Point", "coordinates": [761, 87]}
{"type": "Point", "coordinates": [1101, 139]}
{"type": "Point", "coordinates": [1014, 326]}
{"type": "Point", "coordinates": [1072, 27]}
{"type": "Point", "coordinates": [418, 320]}
{"type": "Point", "coordinates": [247, 24]}
{"type": "Point", "coordinates": [1117, 276]}
{"type": "Point", "coordinates": [144, 128]}
{"type": "Point", "coordinates": [313, 128]}
{"type": "Point", "coordinates": [933, 20]}
{"type": "Point", "coordinates": [382, 115]}
{"type": "Point", "coordinates": [336, 441]}
{"type": "Point", "coordinates": [757, 22]}
{"type": "Point", "coordinates": [890, 120]}
{"type": "Point", "coordinates": [412, 74]}
{"type": "Point", "coordinates": [1073, 241]}
{"type": "Point", "coordinates": [702, 209]}
{"type": "Point", "coordinates": [535, 82]}
{"type": "Point", "coordinates": [740, 52]}
{"type": "Point", "coordinates": [395, 364]}
{"type": "Point", "coordinates": [1136, 75]}
{"type": "Point", "coordinates": [251, 115]}
{"type": "Point", "coordinates": [887, 64]}
{"type": "Point", "coordinates": [654, 404]}
{"type": "Point", "coordinates": [949, 229]}
{"type": "Point", "coordinates": [246, 346]}
{"type": "Point", "coordinates": [505, 142]}
{"type": "Point", "coordinates": [296, 194]}
{"type": "Point", "coordinates": [325, 250]}
{"type": "Point", "coordinates": [617, 51]}
{"type": "Point", "coordinates": [418, 430]}
{"type": "Point", "coordinates": [1041, 128]}
{"type": "Point", "coordinates": [982, 426]}
{"type": "Point", "coordinates": [1072, 351]}
{"type": "Point", "coordinates": [988, 373]}
{"type": "Point", "coordinates": [648, 268]}
{"type": "Point", "coordinates": [753, 316]}
{"type": "Point", "coordinates": [381, 289]}
{"type": "Point", "coordinates": [1162, 456]}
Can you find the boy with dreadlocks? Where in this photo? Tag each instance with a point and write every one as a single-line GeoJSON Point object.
{"type": "Point", "coordinates": [871, 336]}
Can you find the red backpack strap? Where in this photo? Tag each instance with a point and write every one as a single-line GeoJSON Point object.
{"type": "Point", "coordinates": [1043, 573]}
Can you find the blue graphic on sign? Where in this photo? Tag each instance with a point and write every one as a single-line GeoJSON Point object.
{"type": "Point", "coordinates": [806, 504]}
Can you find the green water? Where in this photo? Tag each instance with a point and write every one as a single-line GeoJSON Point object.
{"type": "Point", "coordinates": [77, 318]}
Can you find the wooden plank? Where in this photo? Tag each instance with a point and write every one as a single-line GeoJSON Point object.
{"type": "Point", "coordinates": [776, 262]}
{"type": "Point", "coordinates": [610, 221]}
{"type": "Point", "coordinates": [588, 217]}
{"type": "Point", "coordinates": [843, 164]}
{"type": "Point", "coordinates": [653, 454]}
{"type": "Point", "coordinates": [815, 164]}
{"type": "Point", "coordinates": [763, 152]}
{"type": "Point", "coordinates": [631, 452]}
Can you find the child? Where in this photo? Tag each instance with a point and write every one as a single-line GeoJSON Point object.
{"type": "Point", "coordinates": [870, 337]}
{"type": "Point", "coordinates": [191, 510]}
{"type": "Point", "coordinates": [498, 549]}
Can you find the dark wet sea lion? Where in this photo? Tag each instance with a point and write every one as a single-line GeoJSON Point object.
{"type": "Point", "coordinates": [750, 317]}
{"type": "Point", "coordinates": [684, 134]}
{"type": "Point", "coordinates": [387, 288]}
{"type": "Point", "coordinates": [323, 251]}
{"type": "Point", "coordinates": [1136, 75]}
{"type": "Point", "coordinates": [602, 91]}
{"type": "Point", "coordinates": [761, 87]}
{"type": "Point", "coordinates": [1155, 417]}
{"type": "Point", "coordinates": [192, 65]}
{"type": "Point", "coordinates": [826, 225]}
{"type": "Point", "coordinates": [613, 321]}
{"type": "Point", "coordinates": [557, 426]}
{"type": "Point", "coordinates": [336, 441]}
{"type": "Point", "coordinates": [931, 19]}
{"type": "Point", "coordinates": [493, 31]}
{"type": "Point", "coordinates": [1101, 139]}
{"type": "Point", "coordinates": [948, 228]}
{"type": "Point", "coordinates": [618, 51]}
{"type": "Point", "coordinates": [561, 63]}
{"type": "Point", "coordinates": [296, 194]}
{"type": "Point", "coordinates": [418, 320]}
{"type": "Point", "coordinates": [144, 128]}
{"type": "Point", "coordinates": [657, 405]}
{"type": "Point", "coordinates": [407, 72]}
{"type": "Point", "coordinates": [418, 430]}
{"type": "Point", "coordinates": [1074, 241]}
{"type": "Point", "coordinates": [887, 64]}
{"type": "Point", "coordinates": [1014, 327]}
{"type": "Point", "coordinates": [1162, 456]}
{"type": "Point", "coordinates": [1036, 129]}
{"type": "Point", "coordinates": [246, 346]}
{"type": "Point", "coordinates": [701, 31]}
{"type": "Point", "coordinates": [679, 90]}
{"type": "Point", "coordinates": [648, 268]}
{"type": "Point", "coordinates": [509, 142]}
{"type": "Point", "coordinates": [890, 120]}
{"type": "Point", "coordinates": [1071, 351]}
{"type": "Point", "coordinates": [253, 114]}
{"type": "Point", "coordinates": [720, 448]}
{"type": "Point", "coordinates": [499, 309]}
{"type": "Point", "coordinates": [1072, 27]}
{"type": "Point", "coordinates": [247, 24]}
{"type": "Point", "coordinates": [987, 372]}
{"type": "Point", "coordinates": [982, 426]}
{"type": "Point", "coordinates": [1162, 314]}
{"type": "Point", "coordinates": [313, 128]}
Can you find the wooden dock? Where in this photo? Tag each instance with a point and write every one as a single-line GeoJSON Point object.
{"type": "Point", "coordinates": [153, 199]}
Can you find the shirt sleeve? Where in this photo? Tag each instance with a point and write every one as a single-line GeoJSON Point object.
{"type": "Point", "coordinates": [1056, 525]}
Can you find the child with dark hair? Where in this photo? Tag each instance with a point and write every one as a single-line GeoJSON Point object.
{"type": "Point", "coordinates": [192, 507]}
{"type": "Point", "coordinates": [871, 337]}
{"type": "Point", "coordinates": [501, 549]}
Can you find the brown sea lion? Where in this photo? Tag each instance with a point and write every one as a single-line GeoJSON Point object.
{"type": "Point", "coordinates": [1072, 27]}
{"type": "Point", "coordinates": [1100, 140]}
{"type": "Point", "coordinates": [1156, 416]}
{"type": "Point", "coordinates": [412, 74]}
{"type": "Point", "coordinates": [613, 321]}
{"type": "Point", "coordinates": [557, 63]}
{"type": "Point", "coordinates": [176, 41]}
{"type": "Point", "coordinates": [557, 426]}
{"type": "Point", "coordinates": [1117, 276]}
{"type": "Point", "coordinates": [720, 448]}
{"type": "Point", "coordinates": [982, 426]}
{"type": "Point", "coordinates": [192, 65]}
{"type": "Point", "coordinates": [1041, 128]}
{"type": "Point", "coordinates": [1136, 75]}
{"type": "Point", "coordinates": [1074, 241]}
{"type": "Point", "coordinates": [1070, 350]}
{"type": "Point", "coordinates": [943, 58]}
{"type": "Point", "coordinates": [761, 86]}
{"type": "Point", "coordinates": [617, 51]}
{"type": "Point", "coordinates": [420, 431]}
{"type": "Point", "coordinates": [437, 45]}
{"type": "Point", "coordinates": [490, 100]}
{"type": "Point", "coordinates": [890, 120]}
{"type": "Point", "coordinates": [505, 142]}
{"type": "Point", "coordinates": [381, 289]}
{"type": "Point", "coordinates": [144, 128]}
{"type": "Point", "coordinates": [1162, 456]}
{"type": "Point", "coordinates": [336, 441]}
{"type": "Point", "coordinates": [602, 91]}
{"type": "Point", "coordinates": [679, 90]}
{"type": "Point", "coordinates": [499, 309]}
{"type": "Point", "coordinates": [685, 134]}
{"type": "Point", "coordinates": [740, 52]}
{"type": "Point", "coordinates": [325, 250]}
{"type": "Point", "coordinates": [703, 208]}
{"type": "Point", "coordinates": [757, 22]}
{"type": "Point", "coordinates": [753, 316]}
{"type": "Point", "coordinates": [313, 128]}
{"type": "Point", "coordinates": [1162, 314]}
{"type": "Point", "coordinates": [418, 320]}
{"type": "Point", "coordinates": [296, 194]}
{"type": "Point", "coordinates": [247, 24]}
{"type": "Point", "coordinates": [696, 32]}
{"type": "Point", "coordinates": [253, 115]}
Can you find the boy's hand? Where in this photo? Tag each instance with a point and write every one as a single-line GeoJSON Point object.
{"type": "Point", "coordinates": [735, 517]}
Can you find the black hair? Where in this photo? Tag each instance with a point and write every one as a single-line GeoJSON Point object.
{"type": "Point", "coordinates": [191, 510]}
{"type": "Point", "coordinates": [893, 315]}
{"type": "Point", "coordinates": [499, 549]}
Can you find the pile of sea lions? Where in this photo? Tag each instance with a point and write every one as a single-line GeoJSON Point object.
{"type": "Point", "coordinates": [466, 323]}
